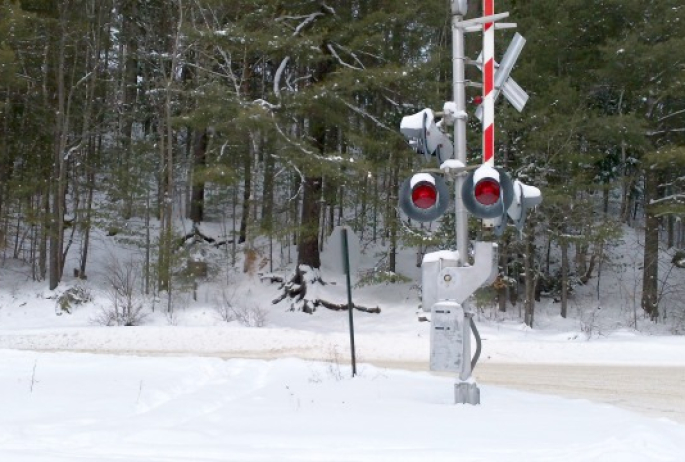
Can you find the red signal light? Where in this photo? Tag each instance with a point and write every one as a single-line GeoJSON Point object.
{"type": "Point", "coordinates": [424, 195]}
{"type": "Point", "coordinates": [487, 191]}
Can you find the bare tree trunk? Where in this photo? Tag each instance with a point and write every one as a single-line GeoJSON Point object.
{"type": "Point", "coordinates": [44, 233]}
{"type": "Point", "coordinates": [58, 167]}
{"type": "Point", "coordinates": [5, 164]}
{"type": "Point", "coordinates": [503, 263]}
{"type": "Point", "coordinates": [247, 190]}
{"type": "Point", "coordinates": [94, 141]}
{"type": "Point", "coordinates": [564, 277]}
{"type": "Point", "coordinates": [374, 235]}
{"type": "Point", "coordinates": [197, 196]}
{"type": "Point", "coordinates": [167, 153]}
{"type": "Point", "coordinates": [361, 222]}
{"type": "Point", "coordinates": [308, 242]}
{"type": "Point", "coordinates": [393, 219]}
{"type": "Point", "coordinates": [268, 195]}
{"type": "Point", "coordinates": [651, 253]}
{"type": "Point", "coordinates": [129, 79]}
{"type": "Point", "coordinates": [531, 273]}
{"type": "Point", "coordinates": [87, 222]}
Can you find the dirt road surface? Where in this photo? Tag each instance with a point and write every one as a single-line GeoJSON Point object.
{"type": "Point", "coordinates": [652, 391]}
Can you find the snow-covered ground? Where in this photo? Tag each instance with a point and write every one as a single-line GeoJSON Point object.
{"type": "Point", "coordinates": [92, 408]}
{"type": "Point", "coordinates": [173, 389]}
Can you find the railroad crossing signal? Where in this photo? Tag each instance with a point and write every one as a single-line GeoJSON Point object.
{"type": "Point", "coordinates": [449, 278]}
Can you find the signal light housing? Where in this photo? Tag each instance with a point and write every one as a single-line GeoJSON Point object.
{"type": "Point", "coordinates": [424, 197]}
{"type": "Point", "coordinates": [427, 136]}
{"type": "Point", "coordinates": [489, 193]}
{"type": "Point", "coordinates": [525, 198]}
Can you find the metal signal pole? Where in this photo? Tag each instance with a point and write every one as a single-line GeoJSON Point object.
{"type": "Point", "coordinates": [459, 9]}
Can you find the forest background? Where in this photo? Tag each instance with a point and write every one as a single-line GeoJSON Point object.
{"type": "Point", "coordinates": [275, 121]}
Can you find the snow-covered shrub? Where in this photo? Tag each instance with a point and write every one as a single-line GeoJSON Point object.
{"type": "Point", "coordinates": [73, 296]}
{"type": "Point", "coordinates": [127, 305]}
{"type": "Point", "coordinates": [224, 306]}
{"type": "Point", "coordinates": [249, 315]}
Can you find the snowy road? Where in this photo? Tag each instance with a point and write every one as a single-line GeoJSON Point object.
{"type": "Point", "coordinates": [554, 365]}
{"type": "Point", "coordinates": [652, 391]}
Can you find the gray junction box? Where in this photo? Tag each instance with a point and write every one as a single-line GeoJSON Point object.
{"type": "Point", "coordinates": [447, 337]}
{"type": "Point", "coordinates": [431, 266]}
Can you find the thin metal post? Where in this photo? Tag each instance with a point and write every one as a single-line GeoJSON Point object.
{"type": "Point", "coordinates": [350, 305]}
{"type": "Point", "coordinates": [465, 391]}
{"type": "Point", "coordinates": [459, 88]}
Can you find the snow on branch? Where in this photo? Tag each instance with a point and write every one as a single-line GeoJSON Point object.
{"type": "Point", "coordinates": [297, 170]}
{"type": "Point", "coordinates": [296, 144]}
{"type": "Point", "coordinates": [340, 60]}
{"type": "Point", "coordinates": [277, 77]}
{"type": "Point", "coordinates": [353, 54]}
{"type": "Point", "coordinates": [328, 8]}
{"type": "Point", "coordinates": [306, 20]}
{"type": "Point", "coordinates": [72, 150]}
{"type": "Point", "coordinates": [330, 159]}
{"type": "Point", "coordinates": [677, 198]}
{"type": "Point", "coordinates": [673, 114]}
{"type": "Point", "coordinates": [661, 132]}
{"type": "Point", "coordinates": [266, 105]}
{"type": "Point", "coordinates": [363, 113]}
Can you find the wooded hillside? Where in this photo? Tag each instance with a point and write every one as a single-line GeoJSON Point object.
{"type": "Point", "coordinates": [281, 120]}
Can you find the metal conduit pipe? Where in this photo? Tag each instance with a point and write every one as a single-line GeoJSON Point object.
{"type": "Point", "coordinates": [476, 334]}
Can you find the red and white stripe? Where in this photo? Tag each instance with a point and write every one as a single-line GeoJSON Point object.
{"type": "Point", "coordinates": [489, 85]}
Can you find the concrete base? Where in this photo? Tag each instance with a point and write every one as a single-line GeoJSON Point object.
{"type": "Point", "coordinates": [466, 393]}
